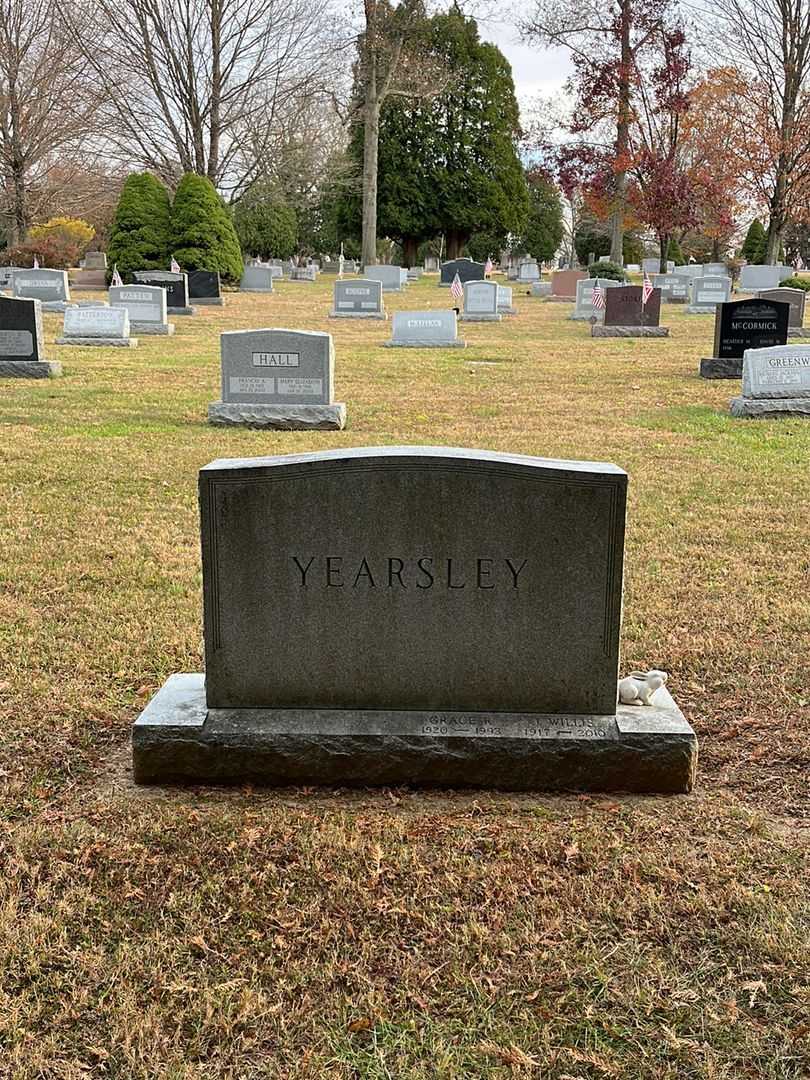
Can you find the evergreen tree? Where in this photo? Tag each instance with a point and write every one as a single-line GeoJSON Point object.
{"type": "Point", "coordinates": [265, 225]}
{"type": "Point", "coordinates": [544, 229]}
{"type": "Point", "coordinates": [755, 244]}
{"type": "Point", "coordinates": [202, 233]}
{"type": "Point", "coordinates": [674, 253]}
{"type": "Point", "coordinates": [139, 235]}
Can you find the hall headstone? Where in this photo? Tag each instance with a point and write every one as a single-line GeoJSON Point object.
{"type": "Point", "coordinates": [741, 325]}
{"type": "Point", "coordinates": [277, 378]}
{"type": "Point", "coordinates": [21, 341]}
{"type": "Point", "coordinates": [357, 298]}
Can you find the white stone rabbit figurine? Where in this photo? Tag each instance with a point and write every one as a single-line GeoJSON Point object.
{"type": "Point", "coordinates": [638, 687]}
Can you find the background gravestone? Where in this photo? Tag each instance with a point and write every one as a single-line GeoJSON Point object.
{"type": "Point", "coordinates": [424, 330]}
{"type": "Point", "coordinates": [584, 310]}
{"type": "Point", "coordinates": [674, 287]}
{"type": "Point", "coordinates": [776, 383]}
{"type": "Point", "coordinates": [707, 292]}
{"type": "Point", "coordinates": [390, 277]}
{"type": "Point", "coordinates": [528, 271]}
{"type": "Point", "coordinates": [741, 325]}
{"type": "Point", "coordinates": [96, 326]}
{"type": "Point", "coordinates": [625, 316]}
{"type": "Point", "coordinates": [259, 278]}
{"type": "Point", "coordinates": [21, 341]}
{"type": "Point", "coordinates": [357, 298]}
{"type": "Point", "coordinates": [281, 379]}
{"type": "Point", "coordinates": [176, 286]}
{"type": "Point", "coordinates": [145, 305]}
{"type": "Point", "coordinates": [50, 287]}
{"type": "Point", "coordinates": [505, 303]}
{"type": "Point", "coordinates": [757, 278]}
{"type": "Point", "coordinates": [796, 299]}
{"type": "Point", "coordinates": [441, 642]}
{"type": "Point", "coordinates": [480, 302]}
{"type": "Point", "coordinates": [466, 269]}
{"type": "Point", "coordinates": [204, 287]}
{"type": "Point", "coordinates": [564, 284]}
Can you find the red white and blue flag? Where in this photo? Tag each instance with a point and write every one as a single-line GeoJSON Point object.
{"type": "Point", "coordinates": [115, 280]}
{"type": "Point", "coordinates": [457, 289]}
{"type": "Point", "coordinates": [36, 264]}
{"type": "Point", "coordinates": [175, 266]}
{"type": "Point", "coordinates": [646, 289]}
{"type": "Point", "coordinates": [489, 267]}
{"type": "Point", "coordinates": [598, 297]}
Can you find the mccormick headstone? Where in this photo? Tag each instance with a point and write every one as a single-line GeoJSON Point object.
{"type": "Point", "coordinates": [707, 292]}
{"type": "Point", "coordinates": [776, 383]}
{"type": "Point", "coordinates": [741, 325]}
{"type": "Point", "coordinates": [96, 326]}
{"type": "Point", "coordinates": [281, 379]}
{"type": "Point", "coordinates": [626, 316]}
{"type": "Point", "coordinates": [412, 615]}
{"type": "Point", "coordinates": [584, 309]}
{"type": "Point", "coordinates": [505, 304]}
{"type": "Point", "coordinates": [259, 278]}
{"type": "Point", "coordinates": [674, 287]}
{"type": "Point", "coordinates": [755, 278]}
{"type": "Point", "coordinates": [146, 307]}
{"type": "Point", "coordinates": [564, 284]}
{"type": "Point", "coordinates": [424, 330]}
{"type": "Point", "coordinates": [204, 288]}
{"type": "Point", "coordinates": [466, 269]}
{"type": "Point", "coordinates": [796, 298]}
{"type": "Point", "coordinates": [176, 286]}
{"type": "Point", "coordinates": [21, 341]}
{"type": "Point", "coordinates": [390, 277]}
{"type": "Point", "coordinates": [49, 286]}
{"type": "Point", "coordinates": [480, 302]}
{"type": "Point", "coordinates": [358, 298]}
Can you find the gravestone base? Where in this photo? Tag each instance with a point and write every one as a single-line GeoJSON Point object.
{"type": "Point", "coordinates": [153, 328]}
{"type": "Point", "coordinates": [56, 305]}
{"type": "Point", "coordinates": [798, 331]}
{"type": "Point", "coordinates": [177, 739]}
{"type": "Point", "coordinates": [208, 301]}
{"type": "Point", "coordinates": [721, 367]}
{"type": "Point", "coordinates": [556, 299]}
{"type": "Point", "coordinates": [181, 311]}
{"type": "Point", "coordinates": [357, 314]}
{"type": "Point", "coordinates": [674, 300]}
{"type": "Point", "coordinates": [586, 318]}
{"type": "Point", "coordinates": [480, 318]}
{"type": "Point", "coordinates": [507, 311]}
{"type": "Point", "coordinates": [278, 417]}
{"type": "Point", "coordinates": [630, 331]}
{"type": "Point", "coordinates": [30, 369]}
{"type": "Point", "coordinates": [770, 408]}
{"type": "Point", "coordinates": [244, 288]}
{"type": "Point", "coordinates": [115, 342]}
{"type": "Point", "coordinates": [697, 309]}
{"type": "Point", "coordinates": [457, 343]}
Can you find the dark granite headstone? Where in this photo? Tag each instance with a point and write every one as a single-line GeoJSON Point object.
{"type": "Point", "coordinates": [623, 307]}
{"type": "Point", "coordinates": [21, 340]}
{"type": "Point", "coordinates": [203, 286]}
{"type": "Point", "coordinates": [466, 269]}
{"type": "Point", "coordinates": [749, 324]}
{"type": "Point", "coordinates": [469, 636]}
{"type": "Point", "coordinates": [796, 298]}
{"type": "Point", "coordinates": [176, 286]}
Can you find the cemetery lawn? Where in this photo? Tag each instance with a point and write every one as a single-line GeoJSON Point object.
{"type": "Point", "coordinates": [395, 935]}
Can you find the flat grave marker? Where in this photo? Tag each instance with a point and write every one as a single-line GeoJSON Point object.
{"type": "Point", "coordinates": [97, 326]}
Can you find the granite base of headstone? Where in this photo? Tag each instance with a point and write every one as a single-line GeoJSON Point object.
{"type": "Point", "coordinates": [629, 331]}
{"type": "Point", "coordinates": [424, 330]}
{"type": "Point", "coordinates": [278, 379]}
{"type": "Point", "coordinates": [21, 341]}
{"type": "Point", "coordinates": [97, 326]}
{"type": "Point", "coordinates": [776, 383]}
{"type": "Point", "coordinates": [741, 325]}
{"type": "Point", "coordinates": [466, 637]}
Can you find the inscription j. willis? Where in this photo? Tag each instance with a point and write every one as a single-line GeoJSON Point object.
{"type": "Point", "coordinates": [392, 572]}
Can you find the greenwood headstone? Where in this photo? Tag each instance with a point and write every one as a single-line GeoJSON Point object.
{"type": "Point", "coordinates": [776, 383]}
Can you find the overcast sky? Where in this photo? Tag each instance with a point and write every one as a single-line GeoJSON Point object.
{"type": "Point", "coordinates": [537, 72]}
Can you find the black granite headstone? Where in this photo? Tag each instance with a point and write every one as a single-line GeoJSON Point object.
{"type": "Point", "coordinates": [203, 284]}
{"type": "Point", "coordinates": [749, 324]}
{"type": "Point", "coordinates": [466, 269]}
{"type": "Point", "coordinates": [20, 330]}
{"type": "Point", "coordinates": [176, 285]}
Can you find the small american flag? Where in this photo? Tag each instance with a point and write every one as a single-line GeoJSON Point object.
{"type": "Point", "coordinates": [646, 289]}
{"type": "Point", "coordinates": [36, 264]}
{"type": "Point", "coordinates": [489, 267]}
{"type": "Point", "coordinates": [341, 260]}
{"type": "Point", "coordinates": [457, 289]}
{"type": "Point", "coordinates": [115, 280]}
{"type": "Point", "coordinates": [175, 266]}
{"type": "Point", "coordinates": [598, 296]}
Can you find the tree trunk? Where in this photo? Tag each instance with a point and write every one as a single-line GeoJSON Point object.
{"type": "Point", "coordinates": [18, 223]}
{"type": "Point", "coordinates": [776, 224]}
{"type": "Point", "coordinates": [663, 248]}
{"type": "Point", "coordinates": [455, 243]}
{"type": "Point", "coordinates": [410, 246]}
{"type": "Point", "coordinates": [622, 139]}
{"type": "Point", "coordinates": [371, 142]}
{"type": "Point", "coordinates": [716, 249]}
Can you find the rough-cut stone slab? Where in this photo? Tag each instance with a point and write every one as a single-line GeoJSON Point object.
{"type": "Point", "coordinates": [629, 331]}
{"type": "Point", "coordinates": [770, 408]}
{"type": "Point", "coordinates": [150, 328]}
{"type": "Point", "coordinates": [721, 367]}
{"type": "Point", "coordinates": [798, 331]}
{"type": "Point", "coordinates": [181, 311]}
{"type": "Point", "coordinates": [30, 369]}
{"type": "Point", "coordinates": [116, 343]}
{"type": "Point", "coordinates": [279, 417]}
{"type": "Point", "coordinates": [642, 749]}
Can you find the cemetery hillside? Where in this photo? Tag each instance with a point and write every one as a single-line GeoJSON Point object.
{"type": "Point", "coordinates": [404, 517]}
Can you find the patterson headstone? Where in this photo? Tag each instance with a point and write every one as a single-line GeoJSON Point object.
{"type": "Point", "coordinates": [626, 316]}
{"type": "Point", "coordinates": [146, 307]}
{"type": "Point", "coordinates": [358, 298]}
{"type": "Point", "coordinates": [424, 330]}
{"type": "Point", "coordinates": [466, 637]}
{"type": "Point", "coordinates": [50, 287]}
{"type": "Point", "coordinates": [776, 383]}
{"type": "Point", "coordinates": [480, 302]}
{"type": "Point", "coordinates": [281, 379]}
{"type": "Point", "coordinates": [259, 278]}
{"type": "Point", "coordinates": [741, 325]}
{"type": "Point", "coordinates": [97, 326]}
{"type": "Point", "coordinates": [21, 341]}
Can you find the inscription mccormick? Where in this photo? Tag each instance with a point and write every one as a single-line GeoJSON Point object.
{"type": "Point", "coordinates": [392, 572]}
{"type": "Point", "coordinates": [276, 359]}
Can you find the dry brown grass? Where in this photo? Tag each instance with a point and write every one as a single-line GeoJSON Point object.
{"type": "Point", "coordinates": [197, 934]}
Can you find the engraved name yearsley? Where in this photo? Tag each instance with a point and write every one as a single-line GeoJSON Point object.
{"type": "Point", "coordinates": [392, 572]}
